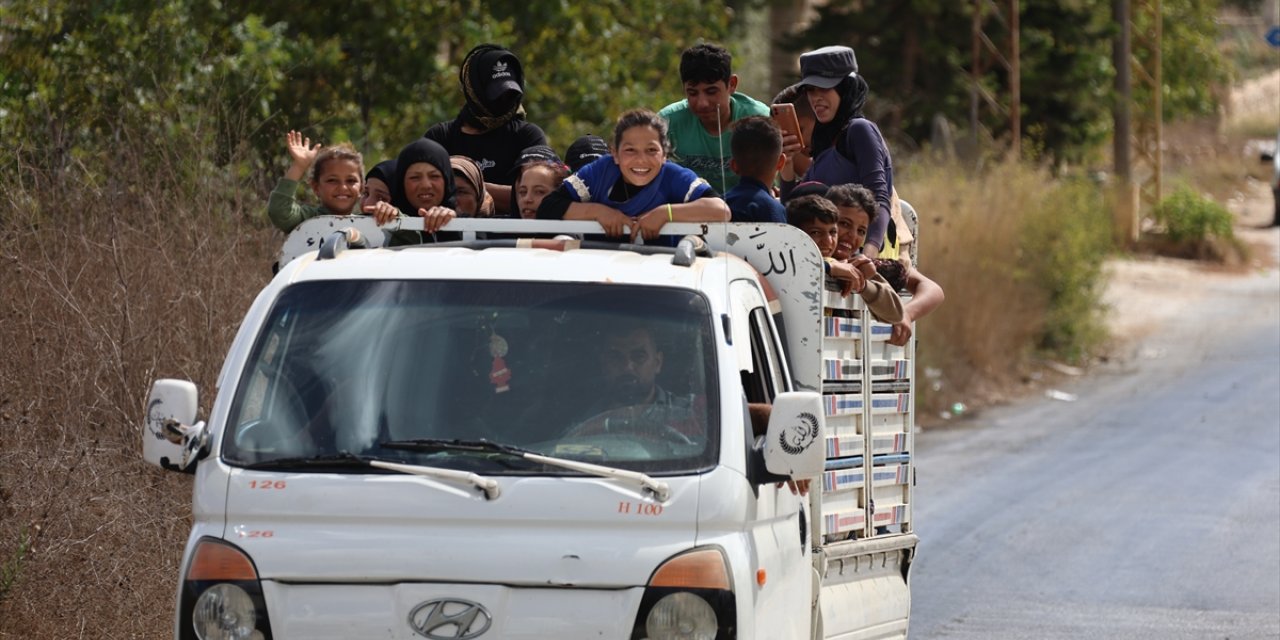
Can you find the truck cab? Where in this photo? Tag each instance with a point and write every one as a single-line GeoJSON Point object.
{"type": "Point", "coordinates": [545, 438]}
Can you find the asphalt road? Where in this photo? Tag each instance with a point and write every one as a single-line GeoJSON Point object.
{"type": "Point", "coordinates": [1147, 508]}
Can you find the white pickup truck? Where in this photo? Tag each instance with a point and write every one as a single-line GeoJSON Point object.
{"type": "Point", "coordinates": [546, 438]}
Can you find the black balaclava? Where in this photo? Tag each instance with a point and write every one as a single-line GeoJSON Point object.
{"type": "Point", "coordinates": [430, 152]}
{"type": "Point", "coordinates": [853, 97]}
{"type": "Point", "coordinates": [487, 70]}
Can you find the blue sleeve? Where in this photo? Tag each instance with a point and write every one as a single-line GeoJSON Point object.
{"type": "Point", "coordinates": [578, 185]}
{"type": "Point", "coordinates": [776, 212]}
{"type": "Point", "coordinates": [683, 185]}
{"type": "Point", "coordinates": [866, 146]}
{"type": "Point", "coordinates": [575, 188]}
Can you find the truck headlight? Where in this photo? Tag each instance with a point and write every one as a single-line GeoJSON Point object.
{"type": "Point", "coordinates": [681, 616]}
{"type": "Point", "coordinates": [221, 597]}
{"type": "Point", "coordinates": [225, 612]}
{"type": "Point", "coordinates": [689, 597]}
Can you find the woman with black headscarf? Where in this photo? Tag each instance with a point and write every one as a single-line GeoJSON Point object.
{"type": "Point", "coordinates": [491, 128]}
{"type": "Point", "coordinates": [846, 147]}
{"type": "Point", "coordinates": [423, 186]}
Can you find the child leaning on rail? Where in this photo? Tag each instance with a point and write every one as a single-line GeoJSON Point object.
{"type": "Point", "coordinates": [635, 185]}
{"type": "Point", "coordinates": [335, 178]}
{"type": "Point", "coordinates": [424, 186]}
{"type": "Point", "coordinates": [853, 204]}
{"type": "Point", "coordinates": [817, 216]}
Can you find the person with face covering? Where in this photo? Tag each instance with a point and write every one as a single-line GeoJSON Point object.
{"type": "Point", "coordinates": [846, 147]}
{"type": "Point", "coordinates": [423, 186]}
{"type": "Point", "coordinates": [491, 128]}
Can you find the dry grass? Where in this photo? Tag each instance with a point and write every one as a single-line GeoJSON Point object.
{"type": "Point", "coordinates": [1011, 246]}
{"type": "Point", "coordinates": [110, 283]}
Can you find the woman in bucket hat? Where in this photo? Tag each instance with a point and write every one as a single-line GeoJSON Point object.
{"type": "Point", "coordinates": [846, 147]}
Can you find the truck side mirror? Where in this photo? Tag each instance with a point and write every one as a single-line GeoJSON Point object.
{"type": "Point", "coordinates": [171, 437]}
{"type": "Point", "coordinates": [795, 444]}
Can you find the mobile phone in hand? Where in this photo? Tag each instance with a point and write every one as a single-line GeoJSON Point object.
{"type": "Point", "coordinates": [784, 114]}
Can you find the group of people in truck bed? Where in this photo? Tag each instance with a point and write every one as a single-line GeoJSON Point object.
{"type": "Point", "coordinates": [715, 156]}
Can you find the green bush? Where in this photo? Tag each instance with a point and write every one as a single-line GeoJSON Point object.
{"type": "Point", "coordinates": [1064, 244]}
{"type": "Point", "coordinates": [1189, 217]}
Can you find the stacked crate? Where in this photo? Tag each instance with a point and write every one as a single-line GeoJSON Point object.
{"type": "Point", "coordinates": [867, 393]}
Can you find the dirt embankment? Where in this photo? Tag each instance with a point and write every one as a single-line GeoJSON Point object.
{"type": "Point", "coordinates": [1145, 292]}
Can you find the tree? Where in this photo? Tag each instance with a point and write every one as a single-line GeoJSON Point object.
{"type": "Point", "coordinates": [1192, 64]}
{"type": "Point", "coordinates": [239, 73]}
{"type": "Point", "coordinates": [916, 57]}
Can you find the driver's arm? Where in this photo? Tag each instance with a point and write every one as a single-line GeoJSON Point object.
{"type": "Point", "coordinates": [759, 412]}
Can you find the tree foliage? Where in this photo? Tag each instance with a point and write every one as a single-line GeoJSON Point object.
{"type": "Point", "coordinates": [917, 56]}
{"type": "Point", "coordinates": [235, 74]}
{"type": "Point", "coordinates": [1193, 66]}
{"type": "Point", "coordinates": [231, 76]}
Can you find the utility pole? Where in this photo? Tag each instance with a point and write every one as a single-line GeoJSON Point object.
{"type": "Point", "coordinates": [985, 53]}
{"type": "Point", "coordinates": [1126, 206]}
{"type": "Point", "coordinates": [1015, 82]}
{"type": "Point", "coordinates": [1146, 29]}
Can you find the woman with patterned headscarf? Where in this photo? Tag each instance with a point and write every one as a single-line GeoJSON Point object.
{"type": "Point", "coordinates": [469, 192]}
{"type": "Point", "coordinates": [491, 128]}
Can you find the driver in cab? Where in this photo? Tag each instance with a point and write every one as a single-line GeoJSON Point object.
{"type": "Point", "coordinates": [631, 401]}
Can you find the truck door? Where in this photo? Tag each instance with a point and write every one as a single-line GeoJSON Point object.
{"type": "Point", "coordinates": [780, 535]}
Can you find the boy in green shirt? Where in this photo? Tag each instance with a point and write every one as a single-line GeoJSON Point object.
{"type": "Point", "coordinates": [700, 126]}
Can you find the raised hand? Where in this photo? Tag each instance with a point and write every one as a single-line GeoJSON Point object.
{"type": "Point", "coordinates": [302, 152]}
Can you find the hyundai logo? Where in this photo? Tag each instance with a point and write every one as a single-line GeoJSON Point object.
{"type": "Point", "coordinates": [450, 619]}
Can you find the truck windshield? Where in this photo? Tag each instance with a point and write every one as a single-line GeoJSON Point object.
{"type": "Point", "coordinates": [604, 373]}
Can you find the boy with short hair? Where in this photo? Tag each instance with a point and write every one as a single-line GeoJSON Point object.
{"type": "Point", "coordinates": [701, 126]}
{"type": "Point", "coordinates": [817, 216]}
{"type": "Point", "coordinates": [757, 155]}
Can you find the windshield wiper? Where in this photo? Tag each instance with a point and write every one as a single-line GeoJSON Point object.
{"type": "Point", "coordinates": [660, 490]}
{"type": "Point", "coordinates": [488, 486]}
{"type": "Point", "coordinates": [344, 459]}
{"type": "Point", "coordinates": [429, 445]}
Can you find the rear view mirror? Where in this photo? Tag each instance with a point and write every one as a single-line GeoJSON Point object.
{"type": "Point", "coordinates": [795, 444]}
{"type": "Point", "coordinates": [171, 437]}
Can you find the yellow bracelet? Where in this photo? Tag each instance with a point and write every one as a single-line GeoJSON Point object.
{"type": "Point", "coordinates": [669, 217]}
